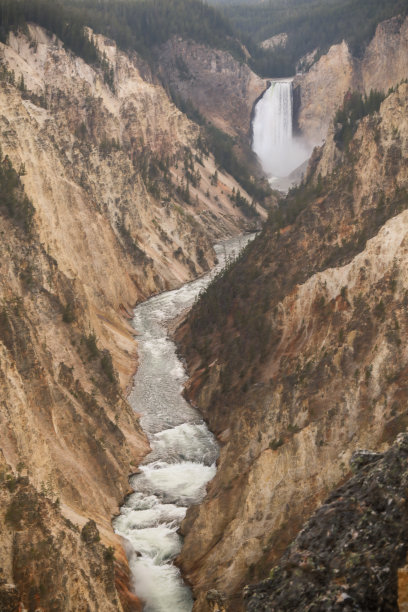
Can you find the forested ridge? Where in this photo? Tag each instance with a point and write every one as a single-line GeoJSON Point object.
{"type": "Point", "coordinates": [310, 25]}
{"type": "Point", "coordinates": [135, 25]}
{"type": "Point", "coordinates": [143, 25]}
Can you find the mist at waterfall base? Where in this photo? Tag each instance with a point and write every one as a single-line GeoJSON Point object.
{"type": "Point", "coordinates": [279, 152]}
{"type": "Point", "coordinates": [174, 475]}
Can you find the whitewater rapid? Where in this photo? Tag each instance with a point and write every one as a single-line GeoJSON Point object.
{"type": "Point", "coordinates": [182, 461]}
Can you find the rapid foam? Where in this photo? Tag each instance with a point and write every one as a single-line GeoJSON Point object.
{"type": "Point", "coordinates": [175, 474]}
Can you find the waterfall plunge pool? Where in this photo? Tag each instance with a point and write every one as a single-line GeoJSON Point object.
{"type": "Point", "coordinates": [182, 461]}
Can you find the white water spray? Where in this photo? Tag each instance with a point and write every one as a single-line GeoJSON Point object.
{"type": "Point", "coordinates": [278, 150]}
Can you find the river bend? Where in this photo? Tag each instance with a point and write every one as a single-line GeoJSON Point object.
{"type": "Point", "coordinates": [182, 461]}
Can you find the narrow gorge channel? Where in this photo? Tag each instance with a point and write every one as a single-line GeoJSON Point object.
{"type": "Point", "coordinates": [182, 461]}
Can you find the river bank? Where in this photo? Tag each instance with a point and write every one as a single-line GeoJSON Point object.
{"type": "Point", "coordinates": [184, 452]}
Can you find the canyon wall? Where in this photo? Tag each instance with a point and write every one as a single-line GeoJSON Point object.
{"type": "Point", "coordinates": [223, 89]}
{"type": "Point", "coordinates": [348, 554]}
{"type": "Point", "coordinates": [106, 199]}
{"type": "Point", "coordinates": [320, 91]}
{"type": "Point", "coordinates": [298, 356]}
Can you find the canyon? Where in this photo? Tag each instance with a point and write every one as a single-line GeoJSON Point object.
{"type": "Point", "coordinates": [296, 355]}
{"type": "Point", "coordinates": [94, 230]}
{"type": "Point", "coordinates": [295, 358]}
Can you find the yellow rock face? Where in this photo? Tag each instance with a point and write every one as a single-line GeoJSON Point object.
{"type": "Point", "coordinates": [321, 90]}
{"type": "Point", "coordinates": [104, 170]}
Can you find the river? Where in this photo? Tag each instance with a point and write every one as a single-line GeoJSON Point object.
{"type": "Point", "coordinates": [182, 461]}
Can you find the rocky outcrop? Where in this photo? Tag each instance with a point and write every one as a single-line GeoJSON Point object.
{"type": "Point", "coordinates": [321, 90]}
{"type": "Point", "coordinates": [348, 554]}
{"type": "Point", "coordinates": [385, 60]}
{"type": "Point", "coordinates": [297, 356]}
{"type": "Point", "coordinates": [106, 198]}
{"type": "Point", "coordinates": [47, 562]}
{"type": "Point", "coordinates": [222, 88]}
{"type": "Point", "coordinates": [279, 40]}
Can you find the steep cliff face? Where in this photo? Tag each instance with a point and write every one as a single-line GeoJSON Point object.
{"type": "Point", "coordinates": [114, 201]}
{"type": "Point", "coordinates": [385, 61]}
{"type": "Point", "coordinates": [298, 356]}
{"type": "Point", "coordinates": [47, 561]}
{"type": "Point", "coordinates": [223, 89]}
{"type": "Point", "coordinates": [320, 91]}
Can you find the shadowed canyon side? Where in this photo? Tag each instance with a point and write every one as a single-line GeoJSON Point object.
{"type": "Point", "coordinates": [297, 354]}
{"type": "Point", "coordinates": [106, 198]}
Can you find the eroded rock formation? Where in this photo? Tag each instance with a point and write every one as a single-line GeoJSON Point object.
{"type": "Point", "coordinates": [114, 201]}
{"type": "Point", "coordinates": [222, 88]}
{"type": "Point", "coordinates": [348, 554]}
{"type": "Point", "coordinates": [297, 355]}
{"type": "Point", "coordinates": [320, 91]}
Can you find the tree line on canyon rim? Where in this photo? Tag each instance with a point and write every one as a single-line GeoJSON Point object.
{"type": "Point", "coordinates": [144, 25]}
{"type": "Point", "coordinates": [310, 24]}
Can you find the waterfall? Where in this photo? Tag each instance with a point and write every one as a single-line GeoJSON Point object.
{"type": "Point", "coordinates": [273, 141]}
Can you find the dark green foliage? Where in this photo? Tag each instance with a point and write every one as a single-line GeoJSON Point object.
{"type": "Point", "coordinates": [298, 198]}
{"type": "Point", "coordinates": [379, 310]}
{"type": "Point", "coordinates": [182, 68]}
{"type": "Point", "coordinates": [275, 444]}
{"type": "Point", "coordinates": [145, 24]}
{"type": "Point", "coordinates": [11, 482]}
{"type": "Point", "coordinates": [222, 147]}
{"type": "Point", "coordinates": [14, 514]}
{"type": "Point", "coordinates": [107, 145]}
{"type": "Point", "coordinates": [248, 209]}
{"type": "Point", "coordinates": [68, 314]}
{"type": "Point", "coordinates": [66, 23]}
{"type": "Point", "coordinates": [315, 24]}
{"type": "Point", "coordinates": [13, 200]}
{"type": "Point", "coordinates": [107, 366]}
{"type": "Point", "coordinates": [355, 107]}
{"type": "Point", "coordinates": [91, 345]}
{"type": "Point", "coordinates": [227, 293]}
{"type": "Point", "coordinates": [188, 108]}
{"type": "Point", "coordinates": [109, 554]}
{"type": "Point", "coordinates": [90, 533]}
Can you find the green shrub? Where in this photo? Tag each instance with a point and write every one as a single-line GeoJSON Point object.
{"type": "Point", "coordinates": [107, 366]}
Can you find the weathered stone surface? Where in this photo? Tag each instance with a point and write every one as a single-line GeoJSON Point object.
{"type": "Point", "coordinates": [403, 589]}
{"type": "Point", "coordinates": [348, 554]}
{"type": "Point", "coordinates": [9, 598]}
{"type": "Point", "coordinates": [321, 91]}
{"type": "Point", "coordinates": [221, 87]}
{"type": "Point", "coordinates": [323, 372]}
{"type": "Point", "coordinates": [322, 88]}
